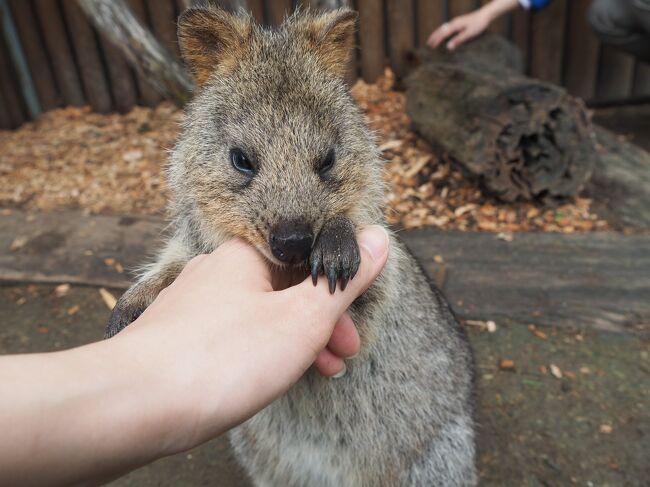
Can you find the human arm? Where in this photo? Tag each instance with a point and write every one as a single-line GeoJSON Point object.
{"type": "Point", "coordinates": [465, 27]}
{"type": "Point", "coordinates": [212, 350]}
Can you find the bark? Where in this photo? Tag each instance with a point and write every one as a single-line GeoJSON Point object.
{"type": "Point", "coordinates": [521, 138]}
{"type": "Point", "coordinates": [115, 20]}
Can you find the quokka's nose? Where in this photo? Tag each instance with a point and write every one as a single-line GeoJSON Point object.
{"type": "Point", "coordinates": [291, 242]}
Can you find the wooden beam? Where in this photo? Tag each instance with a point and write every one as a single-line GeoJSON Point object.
{"type": "Point", "coordinates": [616, 74]}
{"type": "Point", "coordinates": [278, 10]}
{"type": "Point", "coordinates": [430, 15]}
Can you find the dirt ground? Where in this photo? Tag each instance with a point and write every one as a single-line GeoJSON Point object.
{"type": "Point", "coordinates": [556, 406]}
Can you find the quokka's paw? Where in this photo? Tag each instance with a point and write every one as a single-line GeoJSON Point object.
{"type": "Point", "coordinates": [335, 253]}
{"type": "Point", "coordinates": [125, 312]}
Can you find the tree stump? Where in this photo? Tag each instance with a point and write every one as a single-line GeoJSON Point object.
{"type": "Point", "coordinates": [523, 139]}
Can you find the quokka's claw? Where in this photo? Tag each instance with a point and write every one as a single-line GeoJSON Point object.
{"type": "Point", "coordinates": [331, 279]}
{"type": "Point", "coordinates": [315, 267]}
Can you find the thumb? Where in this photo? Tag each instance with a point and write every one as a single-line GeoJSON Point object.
{"type": "Point", "coordinates": [373, 246]}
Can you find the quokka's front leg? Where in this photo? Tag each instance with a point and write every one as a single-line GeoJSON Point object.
{"type": "Point", "coordinates": [139, 296]}
{"type": "Point", "coordinates": [335, 253]}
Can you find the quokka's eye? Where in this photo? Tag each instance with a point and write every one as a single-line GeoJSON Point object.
{"type": "Point", "coordinates": [241, 162]}
{"type": "Point", "coordinates": [327, 163]}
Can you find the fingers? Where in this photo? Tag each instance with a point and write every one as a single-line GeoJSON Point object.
{"type": "Point", "coordinates": [345, 341]}
{"type": "Point", "coordinates": [373, 246]}
{"type": "Point", "coordinates": [241, 263]}
{"type": "Point", "coordinates": [329, 364]}
{"type": "Point", "coordinates": [443, 32]}
{"type": "Point", "coordinates": [461, 38]}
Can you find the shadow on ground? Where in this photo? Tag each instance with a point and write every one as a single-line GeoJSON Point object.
{"type": "Point", "coordinates": [589, 427]}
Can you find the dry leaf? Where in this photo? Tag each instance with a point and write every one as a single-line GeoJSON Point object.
{"type": "Point", "coordinates": [556, 371]}
{"type": "Point", "coordinates": [61, 290]}
{"type": "Point", "coordinates": [109, 261]}
{"type": "Point", "coordinates": [390, 145]}
{"type": "Point", "coordinates": [108, 298]}
{"type": "Point", "coordinates": [18, 243]}
{"type": "Point", "coordinates": [606, 429]}
{"type": "Point", "coordinates": [119, 268]}
{"type": "Point", "coordinates": [491, 326]}
{"type": "Point", "coordinates": [73, 310]}
{"type": "Point", "coordinates": [438, 259]}
{"type": "Point", "coordinates": [507, 364]}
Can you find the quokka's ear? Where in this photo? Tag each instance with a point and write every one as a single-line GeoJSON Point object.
{"type": "Point", "coordinates": [211, 39]}
{"type": "Point", "coordinates": [331, 36]}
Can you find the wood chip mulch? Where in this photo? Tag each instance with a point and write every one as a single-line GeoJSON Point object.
{"type": "Point", "coordinates": [73, 158]}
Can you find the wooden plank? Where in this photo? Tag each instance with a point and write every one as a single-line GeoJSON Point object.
{"type": "Point", "coordinates": [278, 10]}
{"type": "Point", "coordinates": [430, 15]}
{"type": "Point", "coordinates": [641, 86]}
{"type": "Point", "coordinates": [583, 48]}
{"type": "Point", "coordinates": [59, 51]}
{"type": "Point", "coordinates": [460, 7]}
{"type": "Point", "coordinates": [521, 24]}
{"type": "Point", "coordinates": [593, 280]}
{"type": "Point", "coordinates": [148, 95]}
{"type": "Point", "coordinates": [163, 20]}
{"type": "Point", "coordinates": [89, 58]}
{"type": "Point", "coordinates": [121, 77]}
{"type": "Point", "coordinates": [13, 104]}
{"type": "Point", "coordinates": [547, 42]}
{"type": "Point", "coordinates": [400, 34]}
{"type": "Point", "coordinates": [257, 9]}
{"type": "Point", "coordinates": [371, 39]}
{"type": "Point", "coordinates": [616, 74]}
{"type": "Point", "coordinates": [35, 54]}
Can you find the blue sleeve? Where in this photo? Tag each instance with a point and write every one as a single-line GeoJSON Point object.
{"type": "Point", "coordinates": [534, 4]}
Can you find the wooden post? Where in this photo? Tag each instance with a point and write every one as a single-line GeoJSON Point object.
{"type": "Point", "coordinates": [583, 48]}
{"type": "Point", "coordinates": [122, 82]}
{"type": "Point", "coordinates": [60, 52]}
{"type": "Point", "coordinates": [430, 15]}
{"type": "Point", "coordinates": [616, 75]}
{"type": "Point", "coordinates": [641, 86]}
{"type": "Point", "coordinates": [88, 58]}
{"type": "Point", "coordinates": [35, 54]}
{"type": "Point", "coordinates": [547, 43]}
{"type": "Point", "coordinates": [460, 7]}
{"type": "Point", "coordinates": [12, 106]}
{"type": "Point", "coordinates": [371, 39]}
{"type": "Point", "coordinates": [278, 10]}
{"type": "Point", "coordinates": [400, 34]}
{"type": "Point", "coordinates": [163, 20]}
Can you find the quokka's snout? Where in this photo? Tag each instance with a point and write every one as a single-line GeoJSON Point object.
{"type": "Point", "coordinates": [291, 241]}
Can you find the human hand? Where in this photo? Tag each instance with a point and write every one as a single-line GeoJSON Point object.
{"type": "Point", "coordinates": [220, 344]}
{"type": "Point", "coordinates": [460, 29]}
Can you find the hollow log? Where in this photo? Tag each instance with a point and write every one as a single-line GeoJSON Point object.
{"type": "Point", "coordinates": [115, 20]}
{"type": "Point", "coordinates": [523, 139]}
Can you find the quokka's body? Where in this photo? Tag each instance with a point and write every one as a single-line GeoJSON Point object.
{"type": "Point", "coordinates": [275, 151]}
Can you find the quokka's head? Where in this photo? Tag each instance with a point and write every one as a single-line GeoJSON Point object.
{"type": "Point", "coordinates": [273, 144]}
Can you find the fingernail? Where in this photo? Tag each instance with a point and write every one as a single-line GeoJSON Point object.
{"type": "Point", "coordinates": [352, 356]}
{"type": "Point", "coordinates": [375, 240]}
{"type": "Point", "coordinates": [340, 373]}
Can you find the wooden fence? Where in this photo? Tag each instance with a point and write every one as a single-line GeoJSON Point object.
{"type": "Point", "coordinates": [50, 55]}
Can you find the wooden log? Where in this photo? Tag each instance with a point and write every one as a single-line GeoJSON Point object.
{"type": "Point", "coordinates": [583, 49]}
{"type": "Point", "coordinates": [620, 183]}
{"type": "Point", "coordinates": [35, 54]}
{"type": "Point", "coordinates": [85, 46]}
{"type": "Point", "coordinates": [5, 119]}
{"type": "Point", "coordinates": [400, 35]}
{"type": "Point", "coordinates": [460, 7]}
{"type": "Point", "coordinates": [547, 43]}
{"type": "Point", "coordinates": [144, 52]}
{"type": "Point", "coordinates": [521, 138]}
{"type": "Point", "coordinates": [257, 9]}
{"type": "Point", "coordinates": [521, 21]}
{"type": "Point", "coordinates": [60, 52]}
{"type": "Point", "coordinates": [371, 39]}
{"type": "Point", "coordinates": [430, 15]}
{"type": "Point", "coordinates": [148, 94]}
